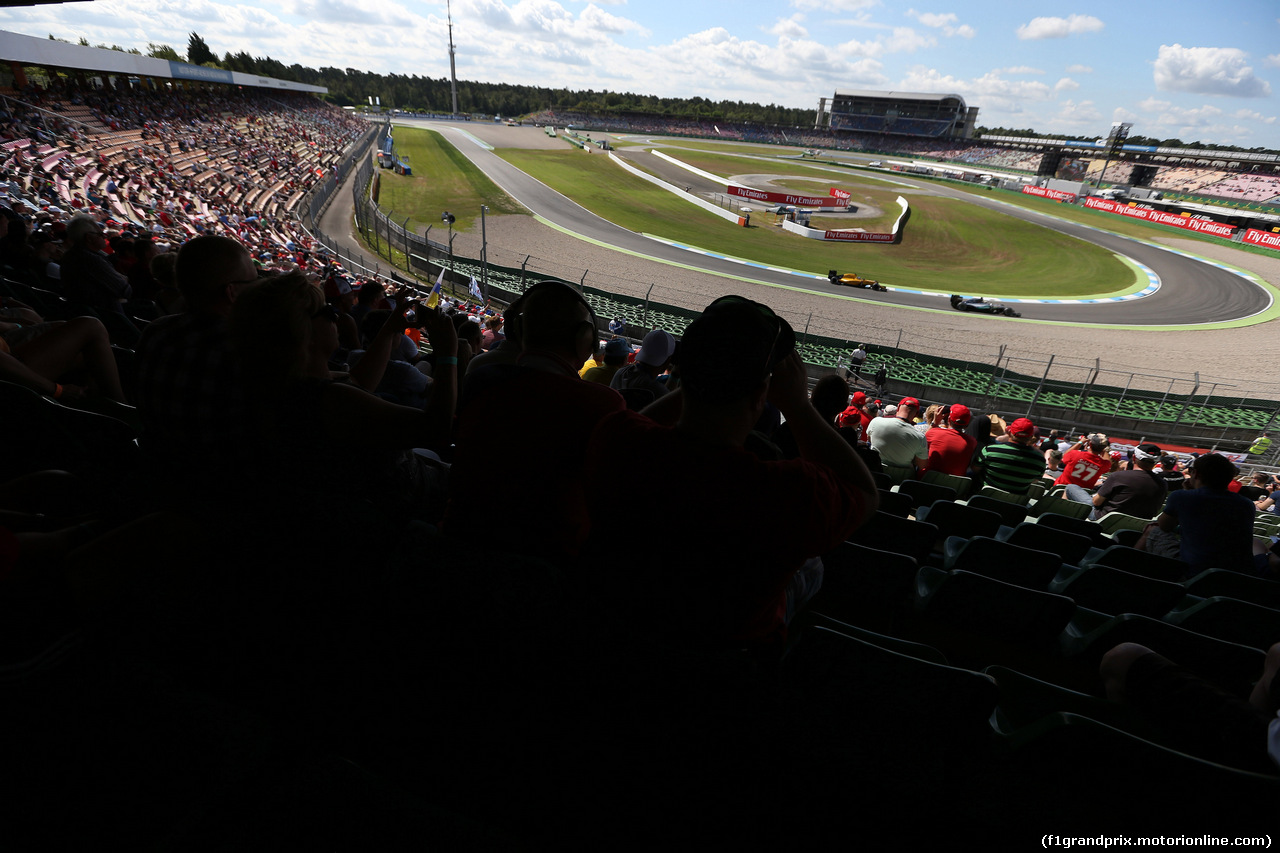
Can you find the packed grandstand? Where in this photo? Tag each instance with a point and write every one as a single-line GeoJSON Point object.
{"type": "Point", "coordinates": [282, 570]}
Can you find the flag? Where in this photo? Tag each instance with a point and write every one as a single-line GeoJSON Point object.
{"type": "Point", "coordinates": [717, 130]}
{"type": "Point", "coordinates": [475, 290]}
{"type": "Point", "coordinates": [433, 299]}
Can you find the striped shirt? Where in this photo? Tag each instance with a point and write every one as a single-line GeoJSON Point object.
{"type": "Point", "coordinates": [1012, 467]}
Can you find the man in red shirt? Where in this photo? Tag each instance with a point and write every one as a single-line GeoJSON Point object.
{"type": "Point", "coordinates": [1082, 466]}
{"type": "Point", "coordinates": [949, 448]}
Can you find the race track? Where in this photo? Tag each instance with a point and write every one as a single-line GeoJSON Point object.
{"type": "Point", "coordinates": [1190, 292]}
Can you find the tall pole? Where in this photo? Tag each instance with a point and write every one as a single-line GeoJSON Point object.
{"type": "Point", "coordinates": [484, 253]}
{"type": "Point", "coordinates": [453, 67]}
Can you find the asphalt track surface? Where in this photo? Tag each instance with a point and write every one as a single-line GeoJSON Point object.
{"type": "Point", "coordinates": [1191, 292]}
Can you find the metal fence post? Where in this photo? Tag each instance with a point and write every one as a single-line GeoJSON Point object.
{"type": "Point", "coordinates": [1043, 379]}
{"type": "Point", "coordinates": [1187, 401]}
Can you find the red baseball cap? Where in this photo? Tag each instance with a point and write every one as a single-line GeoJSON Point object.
{"type": "Point", "coordinates": [858, 397]}
{"type": "Point", "coordinates": [960, 414]}
{"type": "Point", "coordinates": [909, 401]}
{"type": "Point", "coordinates": [1022, 426]}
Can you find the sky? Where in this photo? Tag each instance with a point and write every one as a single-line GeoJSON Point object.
{"type": "Point", "coordinates": [1195, 71]}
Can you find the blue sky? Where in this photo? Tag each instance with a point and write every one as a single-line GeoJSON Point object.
{"type": "Point", "coordinates": [1194, 71]}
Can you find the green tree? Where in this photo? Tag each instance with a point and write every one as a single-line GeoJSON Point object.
{"type": "Point", "coordinates": [162, 51]}
{"type": "Point", "coordinates": [198, 53]}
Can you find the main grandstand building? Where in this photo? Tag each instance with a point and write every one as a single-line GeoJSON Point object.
{"type": "Point", "coordinates": [905, 113]}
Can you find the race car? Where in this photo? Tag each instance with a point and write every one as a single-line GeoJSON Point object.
{"type": "Point", "coordinates": [982, 306]}
{"type": "Point", "coordinates": [852, 279]}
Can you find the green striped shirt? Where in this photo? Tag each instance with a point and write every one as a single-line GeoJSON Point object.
{"type": "Point", "coordinates": [1012, 467]}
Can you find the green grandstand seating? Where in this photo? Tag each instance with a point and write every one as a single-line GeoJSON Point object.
{"type": "Point", "coordinates": [1231, 620]}
{"type": "Point", "coordinates": [1223, 582]}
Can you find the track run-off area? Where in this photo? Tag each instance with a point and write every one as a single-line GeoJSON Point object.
{"type": "Point", "coordinates": [1173, 288]}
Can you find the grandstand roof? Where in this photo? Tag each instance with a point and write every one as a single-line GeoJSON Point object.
{"type": "Point", "coordinates": [29, 50]}
{"type": "Point", "coordinates": [898, 96]}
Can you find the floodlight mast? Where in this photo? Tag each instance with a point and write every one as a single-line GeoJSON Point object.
{"type": "Point", "coordinates": [453, 67]}
{"type": "Point", "coordinates": [1115, 139]}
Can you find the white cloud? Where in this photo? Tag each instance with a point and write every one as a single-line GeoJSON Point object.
{"type": "Point", "coordinates": [789, 27]}
{"type": "Point", "coordinates": [1273, 60]}
{"type": "Point", "coordinates": [900, 40]}
{"type": "Point", "coordinates": [1253, 115]}
{"type": "Point", "coordinates": [1077, 115]}
{"type": "Point", "coordinates": [1022, 69]}
{"type": "Point", "coordinates": [1079, 69]}
{"type": "Point", "coordinates": [943, 21]}
{"type": "Point", "coordinates": [1207, 71]}
{"type": "Point", "coordinates": [835, 5]}
{"type": "Point", "coordinates": [1056, 28]}
{"type": "Point", "coordinates": [907, 40]}
{"type": "Point", "coordinates": [1066, 84]}
{"type": "Point", "coordinates": [991, 92]}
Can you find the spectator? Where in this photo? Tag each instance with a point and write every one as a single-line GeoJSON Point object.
{"type": "Point", "coordinates": [189, 394]}
{"type": "Point", "coordinates": [1199, 717]}
{"type": "Point", "coordinates": [86, 274]}
{"type": "Point", "coordinates": [718, 579]}
{"type": "Point", "coordinates": [284, 335]}
{"type": "Point", "coordinates": [555, 411]}
{"type": "Point", "coordinates": [950, 450]}
{"type": "Point", "coordinates": [651, 361]}
{"type": "Point", "coordinates": [897, 441]}
{"type": "Point", "coordinates": [1013, 465]}
{"type": "Point", "coordinates": [1082, 465]}
{"type": "Point", "coordinates": [492, 333]}
{"type": "Point", "coordinates": [1216, 526]}
{"type": "Point", "coordinates": [1136, 492]}
{"type": "Point", "coordinates": [615, 356]}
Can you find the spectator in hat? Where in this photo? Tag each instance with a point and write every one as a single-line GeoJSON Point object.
{"type": "Point", "coordinates": [1015, 464]}
{"type": "Point", "coordinates": [537, 415]}
{"type": "Point", "coordinates": [1136, 492]}
{"type": "Point", "coordinates": [741, 535]}
{"type": "Point", "coordinates": [616, 352]}
{"type": "Point", "coordinates": [857, 408]}
{"type": "Point", "coordinates": [950, 449]}
{"type": "Point", "coordinates": [651, 361]}
{"type": "Point", "coordinates": [897, 440]}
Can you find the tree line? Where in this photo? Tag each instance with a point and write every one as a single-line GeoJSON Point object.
{"type": "Point", "coordinates": [353, 87]}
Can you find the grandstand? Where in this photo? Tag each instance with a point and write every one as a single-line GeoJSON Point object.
{"type": "Point", "coordinates": [902, 113]}
{"type": "Point", "coordinates": [289, 669]}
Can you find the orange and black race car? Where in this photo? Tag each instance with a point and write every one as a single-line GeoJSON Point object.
{"type": "Point", "coordinates": [852, 279]}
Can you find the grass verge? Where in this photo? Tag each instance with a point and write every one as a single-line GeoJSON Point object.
{"type": "Point", "coordinates": [948, 245]}
{"type": "Point", "coordinates": [442, 180]}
